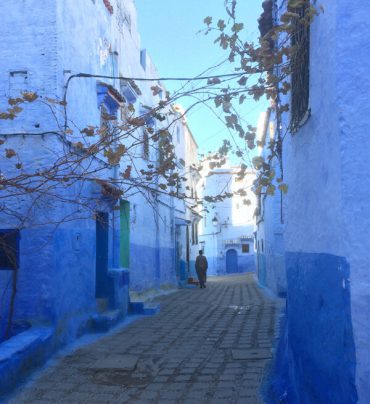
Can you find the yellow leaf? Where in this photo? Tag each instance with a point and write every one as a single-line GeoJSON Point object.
{"type": "Point", "coordinates": [9, 153]}
{"type": "Point", "coordinates": [283, 188]}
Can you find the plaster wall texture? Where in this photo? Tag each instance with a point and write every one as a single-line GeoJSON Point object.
{"type": "Point", "coordinates": [111, 47]}
{"type": "Point", "coordinates": [270, 246]}
{"type": "Point", "coordinates": [353, 83]}
{"type": "Point", "coordinates": [29, 63]}
{"type": "Point", "coordinates": [56, 276]}
{"type": "Point", "coordinates": [152, 246]}
{"type": "Point", "coordinates": [50, 51]}
{"type": "Point", "coordinates": [270, 260]}
{"type": "Point", "coordinates": [327, 211]}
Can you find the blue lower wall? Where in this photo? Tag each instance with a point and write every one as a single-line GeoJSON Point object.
{"type": "Point", "coordinates": [261, 269]}
{"type": "Point", "coordinates": [246, 263]}
{"type": "Point", "coordinates": [217, 265]}
{"type": "Point", "coordinates": [151, 267]}
{"type": "Point", "coordinates": [315, 361]}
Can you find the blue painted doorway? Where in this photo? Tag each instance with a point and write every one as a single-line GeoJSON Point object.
{"type": "Point", "coordinates": [101, 285]}
{"type": "Point", "coordinates": [232, 261]}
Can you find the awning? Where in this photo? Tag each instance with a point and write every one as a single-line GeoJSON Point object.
{"type": "Point", "coordinates": [181, 222]}
{"type": "Point", "coordinates": [110, 97]}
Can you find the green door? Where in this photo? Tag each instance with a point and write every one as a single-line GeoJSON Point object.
{"type": "Point", "coordinates": [124, 256]}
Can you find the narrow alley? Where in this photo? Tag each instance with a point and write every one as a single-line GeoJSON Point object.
{"type": "Point", "coordinates": [205, 346]}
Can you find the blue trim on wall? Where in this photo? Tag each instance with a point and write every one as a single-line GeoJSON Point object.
{"type": "Point", "coordinates": [315, 361]}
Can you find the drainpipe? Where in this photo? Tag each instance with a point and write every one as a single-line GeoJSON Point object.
{"type": "Point", "coordinates": [173, 232]}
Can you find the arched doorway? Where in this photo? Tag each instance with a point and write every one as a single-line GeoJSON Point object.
{"type": "Point", "coordinates": [232, 261]}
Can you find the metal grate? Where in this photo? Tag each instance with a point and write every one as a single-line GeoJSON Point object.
{"type": "Point", "coordinates": [300, 68]}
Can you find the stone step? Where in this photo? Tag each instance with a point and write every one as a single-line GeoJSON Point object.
{"type": "Point", "coordinates": [22, 353]}
{"type": "Point", "coordinates": [102, 322]}
{"type": "Point", "coordinates": [102, 305]}
{"type": "Point", "coordinates": [145, 308]}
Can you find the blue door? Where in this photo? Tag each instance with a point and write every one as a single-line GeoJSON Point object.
{"type": "Point", "coordinates": [101, 285]}
{"type": "Point", "coordinates": [232, 261]}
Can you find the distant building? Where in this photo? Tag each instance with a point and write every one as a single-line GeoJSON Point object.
{"type": "Point", "coordinates": [226, 230]}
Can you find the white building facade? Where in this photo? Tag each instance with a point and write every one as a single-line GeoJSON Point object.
{"type": "Point", "coordinates": [226, 230]}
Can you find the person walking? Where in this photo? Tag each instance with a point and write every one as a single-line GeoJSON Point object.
{"type": "Point", "coordinates": [201, 266]}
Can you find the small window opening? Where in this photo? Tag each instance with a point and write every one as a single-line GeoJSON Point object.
{"type": "Point", "coordinates": [145, 144]}
{"type": "Point", "coordinates": [143, 58]}
{"type": "Point", "coordinates": [9, 249]}
{"type": "Point", "coordinates": [245, 248]}
{"type": "Point", "coordinates": [300, 63]}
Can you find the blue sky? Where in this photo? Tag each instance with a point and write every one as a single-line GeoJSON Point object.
{"type": "Point", "coordinates": [169, 32]}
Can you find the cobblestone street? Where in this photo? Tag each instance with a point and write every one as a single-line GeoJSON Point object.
{"type": "Point", "coordinates": [205, 346]}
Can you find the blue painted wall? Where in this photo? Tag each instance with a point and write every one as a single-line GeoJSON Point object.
{"type": "Point", "coordinates": [56, 277]}
{"type": "Point", "coordinates": [324, 351]}
{"type": "Point", "coordinates": [217, 265]}
{"type": "Point", "coordinates": [56, 285]}
{"type": "Point", "coordinates": [270, 218]}
{"type": "Point", "coordinates": [320, 335]}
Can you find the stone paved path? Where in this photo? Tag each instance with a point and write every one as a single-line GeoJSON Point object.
{"type": "Point", "coordinates": [206, 346]}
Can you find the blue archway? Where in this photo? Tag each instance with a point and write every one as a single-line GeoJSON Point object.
{"type": "Point", "coordinates": [232, 261]}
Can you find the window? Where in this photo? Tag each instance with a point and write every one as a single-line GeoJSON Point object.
{"type": "Point", "coordinates": [161, 151]}
{"type": "Point", "coordinates": [245, 248]}
{"type": "Point", "coordinates": [194, 233]}
{"type": "Point", "coordinates": [129, 90]}
{"type": "Point", "coordinates": [9, 249]}
{"type": "Point", "coordinates": [145, 144]}
{"type": "Point", "coordinates": [105, 122]}
{"type": "Point", "coordinates": [143, 58]}
{"type": "Point", "coordinates": [109, 102]}
{"type": "Point", "coordinates": [300, 68]}
{"type": "Point", "coordinates": [114, 63]}
{"type": "Point", "coordinates": [18, 80]}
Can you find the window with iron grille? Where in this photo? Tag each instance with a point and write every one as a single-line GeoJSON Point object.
{"type": "Point", "coordinates": [145, 145]}
{"type": "Point", "coordinates": [245, 248]}
{"type": "Point", "coordinates": [9, 249]}
{"type": "Point", "coordinates": [300, 63]}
